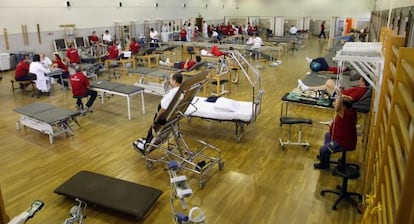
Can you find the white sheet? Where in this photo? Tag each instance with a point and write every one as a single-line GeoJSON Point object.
{"type": "Point", "coordinates": [237, 110]}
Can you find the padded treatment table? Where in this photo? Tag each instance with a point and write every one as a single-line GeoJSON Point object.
{"type": "Point", "coordinates": [119, 89]}
{"type": "Point", "coordinates": [154, 81]}
{"type": "Point", "coordinates": [47, 119]}
{"type": "Point", "coordinates": [116, 194]}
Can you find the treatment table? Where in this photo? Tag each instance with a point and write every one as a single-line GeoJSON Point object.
{"type": "Point", "coordinates": [108, 192]}
{"type": "Point", "coordinates": [46, 119]}
{"type": "Point", "coordinates": [119, 89]}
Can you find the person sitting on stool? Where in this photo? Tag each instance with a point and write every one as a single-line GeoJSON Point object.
{"type": "Point", "coordinates": [342, 135]}
{"type": "Point", "coordinates": [80, 88]}
{"type": "Point", "coordinates": [22, 70]}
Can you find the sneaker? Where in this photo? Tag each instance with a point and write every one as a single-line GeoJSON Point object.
{"type": "Point", "coordinates": [334, 95]}
{"type": "Point", "coordinates": [302, 86]}
{"type": "Point", "coordinates": [319, 166]}
{"type": "Point", "coordinates": [308, 59]}
{"type": "Point", "coordinates": [167, 61]}
{"type": "Point", "coordinates": [88, 109]}
{"type": "Point", "coordinates": [139, 145]}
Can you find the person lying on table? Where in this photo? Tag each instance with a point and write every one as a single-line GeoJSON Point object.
{"type": "Point", "coordinates": [321, 65]}
{"type": "Point", "coordinates": [188, 64]}
{"type": "Point", "coordinates": [175, 81]}
{"type": "Point", "coordinates": [353, 93]}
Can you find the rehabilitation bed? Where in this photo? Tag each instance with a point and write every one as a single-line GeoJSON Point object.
{"type": "Point", "coordinates": [47, 119]}
{"type": "Point", "coordinates": [225, 109]}
{"type": "Point", "coordinates": [119, 195]}
{"type": "Point", "coordinates": [191, 154]}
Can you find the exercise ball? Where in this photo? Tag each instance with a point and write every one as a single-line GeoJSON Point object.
{"type": "Point", "coordinates": [315, 66]}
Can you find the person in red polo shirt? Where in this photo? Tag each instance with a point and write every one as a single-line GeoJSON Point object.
{"type": "Point", "coordinates": [188, 64]}
{"type": "Point", "coordinates": [80, 88]}
{"type": "Point", "coordinates": [22, 70]}
{"type": "Point", "coordinates": [72, 55]}
{"type": "Point", "coordinates": [134, 46]}
{"type": "Point", "coordinates": [93, 39]}
{"type": "Point", "coordinates": [58, 63]}
{"type": "Point", "coordinates": [183, 34]}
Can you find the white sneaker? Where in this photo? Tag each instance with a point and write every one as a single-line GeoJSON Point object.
{"type": "Point", "coordinates": [308, 59]}
{"type": "Point", "coordinates": [167, 61]}
{"type": "Point", "coordinates": [161, 62]}
{"type": "Point", "coordinates": [302, 86]}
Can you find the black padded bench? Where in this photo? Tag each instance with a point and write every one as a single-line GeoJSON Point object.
{"type": "Point", "coordinates": [294, 121]}
{"type": "Point", "coordinates": [108, 192]}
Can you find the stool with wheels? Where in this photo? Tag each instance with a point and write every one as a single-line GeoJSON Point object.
{"type": "Point", "coordinates": [347, 172]}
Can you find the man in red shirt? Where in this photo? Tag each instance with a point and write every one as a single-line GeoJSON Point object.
{"type": "Point", "coordinates": [353, 94]}
{"type": "Point", "coordinates": [113, 51]}
{"type": "Point", "coordinates": [183, 34]}
{"type": "Point", "coordinates": [188, 64]}
{"type": "Point", "coordinates": [342, 135]}
{"type": "Point", "coordinates": [93, 39]}
{"type": "Point", "coordinates": [22, 70]}
{"type": "Point", "coordinates": [80, 88]}
{"type": "Point", "coordinates": [134, 46]}
{"type": "Point", "coordinates": [72, 55]}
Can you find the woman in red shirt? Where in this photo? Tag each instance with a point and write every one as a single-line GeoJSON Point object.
{"type": "Point", "coordinates": [57, 63]}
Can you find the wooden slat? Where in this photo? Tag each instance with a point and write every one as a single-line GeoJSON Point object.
{"type": "Point", "coordinates": [402, 123]}
{"type": "Point", "coordinates": [395, 185]}
{"type": "Point", "coordinates": [400, 161]}
{"type": "Point", "coordinates": [389, 201]}
{"type": "Point", "coordinates": [409, 69]}
{"type": "Point", "coordinates": [407, 96]}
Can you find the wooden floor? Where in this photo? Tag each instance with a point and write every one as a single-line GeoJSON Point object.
{"type": "Point", "coordinates": [260, 183]}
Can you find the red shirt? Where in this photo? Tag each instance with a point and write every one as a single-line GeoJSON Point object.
{"type": "Point", "coordinates": [343, 129]}
{"type": "Point", "coordinates": [22, 69]}
{"type": "Point", "coordinates": [183, 34]}
{"type": "Point", "coordinates": [73, 55]}
{"type": "Point", "coordinates": [355, 92]}
{"type": "Point", "coordinates": [113, 52]}
{"type": "Point", "coordinates": [93, 39]}
{"type": "Point", "coordinates": [190, 64]}
{"type": "Point", "coordinates": [134, 47]}
{"type": "Point", "coordinates": [61, 65]}
{"type": "Point", "coordinates": [79, 83]}
{"type": "Point", "coordinates": [215, 51]}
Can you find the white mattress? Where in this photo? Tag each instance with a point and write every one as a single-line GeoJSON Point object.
{"type": "Point", "coordinates": [223, 109]}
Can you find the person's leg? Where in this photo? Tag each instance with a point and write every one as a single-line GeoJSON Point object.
{"type": "Point", "coordinates": [325, 154]}
{"type": "Point", "coordinates": [329, 86]}
{"type": "Point", "coordinates": [92, 96]}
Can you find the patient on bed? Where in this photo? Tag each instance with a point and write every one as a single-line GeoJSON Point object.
{"type": "Point", "coordinates": [353, 94]}
{"type": "Point", "coordinates": [175, 81]}
{"type": "Point", "coordinates": [188, 64]}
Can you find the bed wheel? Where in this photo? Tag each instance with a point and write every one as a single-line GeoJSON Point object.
{"type": "Point", "coordinates": [150, 165]}
{"type": "Point", "coordinates": [221, 165]}
{"type": "Point", "coordinates": [202, 184]}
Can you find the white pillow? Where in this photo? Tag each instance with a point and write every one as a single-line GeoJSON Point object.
{"type": "Point", "coordinates": [226, 104]}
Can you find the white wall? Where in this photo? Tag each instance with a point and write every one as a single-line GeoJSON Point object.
{"type": "Point", "coordinates": [49, 14]}
{"type": "Point", "coordinates": [101, 14]}
{"type": "Point", "coordinates": [387, 4]}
